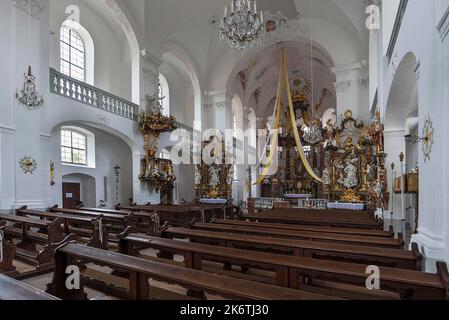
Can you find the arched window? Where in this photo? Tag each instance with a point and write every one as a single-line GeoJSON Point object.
{"type": "Point", "coordinates": [72, 54]}
{"type": "Point", "coordinates": [164, 95]}
{"type": "Point", "coordinates": [73, 147]}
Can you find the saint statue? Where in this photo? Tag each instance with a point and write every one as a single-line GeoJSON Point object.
{"type": "Point", "coordinates": [214, 177]}
{"type": "Point", "coordinates": [331, 141]}
{"type": "Point", "coordinates": [326, 177]}
{"type": "Point", "coordinates": [351, 179]}
{"type": "Point", "coordinates": [197, 177]}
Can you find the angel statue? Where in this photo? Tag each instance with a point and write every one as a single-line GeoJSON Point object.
{"type": "Point", "coordinates": [214, 178]}
{"type": "Point", "coordinates": [331, 140]}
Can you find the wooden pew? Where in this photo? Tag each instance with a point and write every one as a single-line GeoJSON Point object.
{"type": "Point", "coordinates": [302, 248]}
{"type": "Point", "coordinates": [26, 249]}
{"type": "Point", "coordinates": [108, 211]}
{"type": "Point", "coordinates": [11, 289]}
{"type": "Point", "coordinates": [140, 270]}
{"type": "Point", "coordinates": [90, 227]}
{"type": "Point", "coordinates": [114, 223]}
{"type": "Point", "coordinates": [314, 221]}
{"type": "Point", "coordinates": [408, 283]}
{"type": "Point", "coordinates": [303, 235]}
{"type": "Point", "coordinates": [7, 258]}
{"type": "Point", "coordinates": [297, 227]}
{"type": "Point", "coordinates": [203, 212]}
{"type": "Point", "coordinates": [328, 212]}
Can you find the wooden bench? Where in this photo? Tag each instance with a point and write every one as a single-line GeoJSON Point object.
{"type": "Point", "coordinates": [114, 223]}
{"type": "Point", "coordinates": [140, 270]}
{"type": "Point", "coordinates": [203, 212]}
{"type": "Point", "coordinates": [297, 227]}
{"type": "Point", "coordinates": [90, 227]}
{"type": "Point", "coordinates": [11, 289]}
{"type": "Point", "coordinates": [290, 270]}
{"type": "Point", "coordinates": [108, 211]}
{"type": "Point", "coordinates": [328, 212]}
{"type": "Point", "coordinates": [311, 249]}
{"type": "Point", "coordinates": [314, 221]}
{"type": "Point", "coordinates": [304, 235]}
{"type": "Point", "coordinates": [26, 248]}
{"type": "Point", "coordinates": [7, 258]}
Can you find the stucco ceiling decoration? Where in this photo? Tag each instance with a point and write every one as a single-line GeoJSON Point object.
{"type": "Point", "coordinates": [261, 73]}
{"type": "Point", "coordinates": [36, 6]}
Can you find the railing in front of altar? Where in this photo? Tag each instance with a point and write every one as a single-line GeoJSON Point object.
{"type": "Point", "coordinates": [312, 203]}
{"type": "Point", "coordinates": [81, 92]}
{"type": "Point", "coordinates": [266, 203]}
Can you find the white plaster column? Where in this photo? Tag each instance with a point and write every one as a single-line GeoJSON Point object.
{"type": "Point", "coordinates": [394, 145]}
{"type": "Point", "coordinates": [220, 109]}
{"type": "Point", "coordinates": [21, 127]}
{"type": "Point", "coordinates": [149, 82]}
{"type": "Point", "coordinates": [351, 84]}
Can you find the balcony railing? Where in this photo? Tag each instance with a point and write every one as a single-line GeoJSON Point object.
{"type": "Point", "coordinates": [79, 91]}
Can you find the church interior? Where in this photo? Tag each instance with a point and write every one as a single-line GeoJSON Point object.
{"type": "Point", "coordinates": [224, 150]}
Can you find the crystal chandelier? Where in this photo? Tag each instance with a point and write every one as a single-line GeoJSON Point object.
{"type": "Point", "coordinates": [28, 95]}
{"type": "Point", "coordinates": [243, 26]}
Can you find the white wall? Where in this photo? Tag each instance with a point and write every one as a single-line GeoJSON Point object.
{"type": "Point", "coordinates": [430, 50]}
{"type": "Point", "coordinates": [389, 12]}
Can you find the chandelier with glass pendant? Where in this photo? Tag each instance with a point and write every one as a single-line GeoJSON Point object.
{"type": "Point", "coordinates": [243, 26]}
{"type": "Point", "coordinates": [28, 95]}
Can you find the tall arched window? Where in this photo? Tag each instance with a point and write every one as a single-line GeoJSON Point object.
{"type": "Point", "coordinates": [72, 54]}
{"type": "Point", "coordinates": [73, 147]}
{"type": "Point", "coordinates": [77, 147]}
{"type": "Point", "coordinates": [164, 95]}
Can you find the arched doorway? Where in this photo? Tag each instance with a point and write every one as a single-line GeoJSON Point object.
{"type": "Point", "coordinates": [401, 124]}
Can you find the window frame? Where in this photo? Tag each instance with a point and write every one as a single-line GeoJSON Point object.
{"type": "Point", "coordinates": [71, 47]}
{"type": "Point", "coordinates": [86, 164]}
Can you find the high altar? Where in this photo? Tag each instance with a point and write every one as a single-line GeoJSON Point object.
{"type": "Point", "coordinates": [340, 162]}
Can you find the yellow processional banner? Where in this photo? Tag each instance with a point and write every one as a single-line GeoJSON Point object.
{"type": "Point", "coordinates": [283, 78]}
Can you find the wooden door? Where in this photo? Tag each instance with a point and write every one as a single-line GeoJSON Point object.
{"type": "Point", "coordinates": [71, 195]}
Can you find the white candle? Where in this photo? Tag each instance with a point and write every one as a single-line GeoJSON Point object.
{"type": "Point", "coordinates": [261, 16]}
{"type": "Point", "coordinates": [232, 6]}
{"type": "Point", "coordinates": [255, 7]}
{"type": "Point", "coordinates": [1, 246]}
{"type": "Point", "coordinates": [248, 4]}
{"type": "Point", "coordinates": [226, 11]}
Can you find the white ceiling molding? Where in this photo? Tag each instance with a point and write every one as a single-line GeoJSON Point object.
{"type": "Point", "coordinates": [150, 58]}
{"type": "Point", "coordinates": [36, 6]}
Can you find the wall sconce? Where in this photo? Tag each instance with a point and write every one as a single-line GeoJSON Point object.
{"type": "Point", "coordinates": [117, 170]}
{"type": "Point", "coordinates": [117, 175]}
{"type": "Point", "coordinates": [414, 139]}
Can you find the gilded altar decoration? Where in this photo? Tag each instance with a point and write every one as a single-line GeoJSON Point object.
{"type": "Point", "coordinates": [355, 170]}
{"type": "Point", "coordinates": [52, 173]}
{"type": "Point", "coordinates": [213, 180]}
{"type": "Point", "coordinates": [427, 143]}
{"type": "Point", "coordinates": [159, 173]}
{"type": "Point", "coordinates": [28, 164]}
